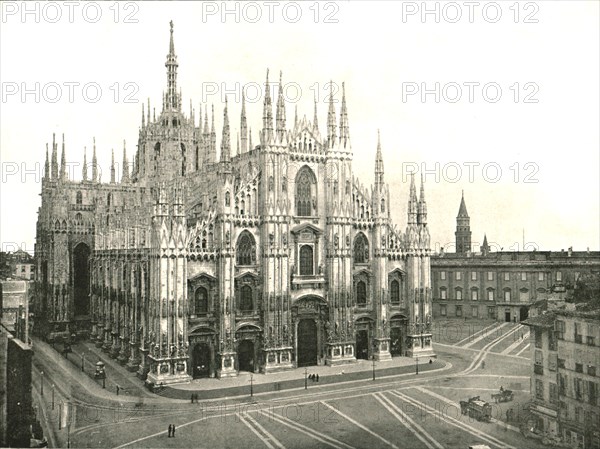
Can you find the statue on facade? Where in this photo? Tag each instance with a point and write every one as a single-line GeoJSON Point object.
{"type": "Point", "coordinates": [285, 333]}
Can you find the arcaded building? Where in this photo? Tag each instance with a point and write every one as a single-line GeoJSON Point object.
{"type": "Point", "coordinates": [200, 262]}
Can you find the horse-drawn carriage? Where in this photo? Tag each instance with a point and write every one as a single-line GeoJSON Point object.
{"type": "Point", "coordinates": [503, 396]}
{"type": "Point", "coordinates": [476, 408]}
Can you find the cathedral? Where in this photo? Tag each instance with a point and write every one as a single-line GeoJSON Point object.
{"type": "Point", "coordinates": [198, 263]}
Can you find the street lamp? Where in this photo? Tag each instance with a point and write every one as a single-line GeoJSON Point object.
{"type": "Point", "coordinates": [82, 361]}
{"type": "Point", "coordinates": [373, 366]}
{"type": "Point", "coordinates": [42, 380]}
{"type": "Point", "coordinates": [417, 365]}
{"type": "Point", "coordinates": [52, 396]}
{"type": "Point", "coordinates": [251, 389]}
{"type": "Point", "coordinates": [305, 378]}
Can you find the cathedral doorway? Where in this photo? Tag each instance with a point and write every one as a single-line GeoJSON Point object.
{"type": "Point", "coordinates": [201, 360]}
{"type": "Point", "coordinates": [362, 344]}
{"type": "Point", "coordinates": [81, 279]}
{"type": "Point", "coordinates": [523, 313]}
{"type": "Point", "coordinates": [246, 356]}
{"type": "Point", "coordinates": [307, 343]}
{"type": "Point", "coordinates": [396, 341]}
{"type": "Point", "coordinates": [398, 325]}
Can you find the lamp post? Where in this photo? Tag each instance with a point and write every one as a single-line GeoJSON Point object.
{"type": "Point", "coordinates": [373, 366]}
{"type": "Point", "coordinates": [417, 365]}
{"type": "Point", "coordinates": [52, 396]}
{"type": "Point", "coordinates": [82, 361]}
{"type": "Point", "coordinates": [305, 378]}
{"type": "Point", "coordinates": [42, 381]}
{"type": "Point", "coordinates": [251, 386]}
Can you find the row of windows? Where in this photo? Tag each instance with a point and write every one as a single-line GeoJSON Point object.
{"type": "Point", "coordinates": [541, 275]}
{"type": "Point", "coordinates": [578, 337]}
{"type": "Point", "coordinates": [458, 294]}
{"type": "Point", "coordinates": [246, 303]}
{"type": "Point", "coordinates": [583, 390]}
{"type": "Point", "coordinates": [246, 252]}
{"type": "Point", "coordinates": [458, 311]}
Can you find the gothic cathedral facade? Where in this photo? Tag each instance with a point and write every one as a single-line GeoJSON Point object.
{"type": "Point", "coordinates": [194, 265]}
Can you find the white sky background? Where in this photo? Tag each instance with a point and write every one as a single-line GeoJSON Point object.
{"type": "Point", "coordinates": [374, 52]}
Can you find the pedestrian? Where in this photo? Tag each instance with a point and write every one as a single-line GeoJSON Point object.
{"type": "Point", "coordinates": [173, 431]}
{"type": "Point", "coordinates": [430, 361]}
{"type": "Point", "coordinates": [170, 430]}
{"type": "Point", "coordinates": [317, 377]}
{"type": "Point", "coordinates": [117, 390]}
{"type": "Point", "coordinates": [192, 398]}
{"type": "Point", "coordinates": [483, 364]}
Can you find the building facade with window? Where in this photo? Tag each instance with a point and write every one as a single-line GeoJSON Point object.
{"type": "Point", "coordinates": [501, 285]}
{"type": "Point", "coordinates": [273, 257]}
{"type": "Point", "coordinates": [565, 382]}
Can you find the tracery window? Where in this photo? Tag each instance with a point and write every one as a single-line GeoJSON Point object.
{"type": "Point", "coordinates": [245, 249]}
{"type": "Point", "coordinates": [361, 249]}
{"type": "Point", "coordinates": [304, 182]}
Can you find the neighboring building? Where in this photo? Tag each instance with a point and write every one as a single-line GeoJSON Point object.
{"type": "Point", "coordinates": [501, 285]}
{"type": "Point", "coordinates": [25, 271]}
{"type": "Point", "coordinates": [17, 265]}
{"type": "Point", "coordinates": [565, 383]}
{"type": "Point", "coordinates": [271, 258]}
{"type": "Point", "coordinates": [14, 305]}
{"type": "Point", "coordinates": [17, 416]}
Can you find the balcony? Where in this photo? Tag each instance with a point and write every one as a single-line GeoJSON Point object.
{"type": "Point", "coordinates": [314, 281]}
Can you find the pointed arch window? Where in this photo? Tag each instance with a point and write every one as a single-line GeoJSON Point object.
{"type": "Point", "coordinates": [306, 260]}
{"type": "Point", "coordinates": [183, 160]}
{"type": "Point", "coordinates": [227, 199]}
{"type": "Point", "coordinates": [246, 299]}
{"type": "Point", "coordinates": [109, 199]}
{"type": "Point", "coordinates": [156, 156]}
{"type": "Point", "coordinates": [361, 249]}
{"type": "Point", "coordinates": [201, 301]}
{"type": "Point", "coordinates": [304, 192]}
{"type": "Point", "coordinates": [79, 197]}
{"type": "Point", "coordinates": [395, 292]}
{"type": "Point", "coordinates": [382, 205]}
{"type": "Point", "coordinates": [361, 293]}
{"type": "Point", "coordinates": [245, 249]}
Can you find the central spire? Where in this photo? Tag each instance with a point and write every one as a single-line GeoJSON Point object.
{"type": "Point", "coordinates": [378, 162]}
{"type": "Point", "coordinates": [172, 98]}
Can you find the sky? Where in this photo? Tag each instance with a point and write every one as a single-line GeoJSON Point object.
{"type": "Point", "coordinates": [496, 100]}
